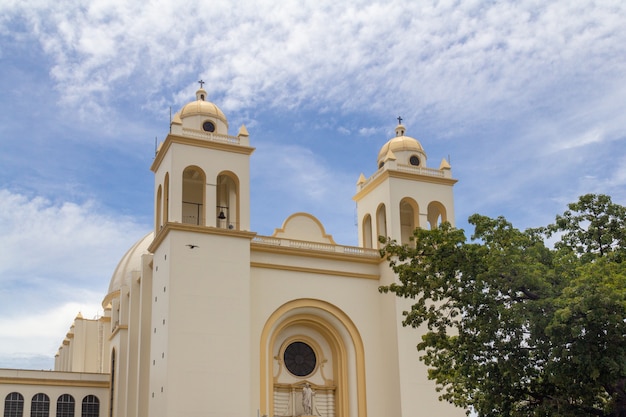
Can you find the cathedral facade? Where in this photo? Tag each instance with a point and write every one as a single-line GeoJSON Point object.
{"type": "Point", "coordinates": [204, 317]}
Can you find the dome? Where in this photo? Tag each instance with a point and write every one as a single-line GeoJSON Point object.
{"type": "Point", "coordinates": [131, 261]}
{"type": "Point", "coordinates": [402, 144]}
{"type": "Point", "coordinates": [201, 107]}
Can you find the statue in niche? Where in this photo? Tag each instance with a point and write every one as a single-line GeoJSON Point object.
{"type": "Point", "coordinates": [307, 399]}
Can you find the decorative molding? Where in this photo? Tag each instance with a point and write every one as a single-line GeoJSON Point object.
{"type": "Point", "coordinates": [314, 270]}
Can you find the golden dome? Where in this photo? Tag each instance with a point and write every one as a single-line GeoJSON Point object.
{"type": "Point", "coordinates": [201, 107]}
{"type": "Point", "coordinates": [400, 143]}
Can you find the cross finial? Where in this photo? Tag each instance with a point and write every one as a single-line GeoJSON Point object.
{"type": "Point", "coordinates": [399, 120]}
{"type": "Point", "coordinates": [201, 83]}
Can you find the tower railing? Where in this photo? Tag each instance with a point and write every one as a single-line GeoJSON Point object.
{"type": "Point", "coordinates": [212, 136]}
{"type": "Point", "coordinates": [316, 246]}
{"type": "Point", "coordinates": [429, 172]}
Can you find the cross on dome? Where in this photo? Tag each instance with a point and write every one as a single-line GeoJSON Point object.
{"type": "Point", "coordinates": [201, 83]}
{"type": "Point", "coordinates": [399, 120]}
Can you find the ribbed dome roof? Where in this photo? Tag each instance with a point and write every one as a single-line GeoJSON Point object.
{"type": "Point", "coordinates": [131, 261]}
{"type": "Point", "coordinates": [400, 143]}
{"type": "Point", "coordinates": [202, 107]}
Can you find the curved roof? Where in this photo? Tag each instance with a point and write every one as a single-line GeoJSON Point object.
{"type": "Point", "coordinates": [131, 261]}
{"type": "Point", "coordinates": [202, 107]}
{"type": "Point", "coordinates": [400, 143]}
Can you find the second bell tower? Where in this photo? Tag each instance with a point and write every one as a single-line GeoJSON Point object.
{"type": "Point", "coordinates": [200, 346]}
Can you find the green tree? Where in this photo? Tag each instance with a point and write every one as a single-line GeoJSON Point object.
{"type": "Point", "coordinates": [514, 327]}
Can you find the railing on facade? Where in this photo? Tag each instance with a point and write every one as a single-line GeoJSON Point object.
{"type": "Point", "coordinates": [430, 172]}
{"type": "Point", "coordinates": [316, 246]}
{"type": "Point", "coordinates": [216, 137]}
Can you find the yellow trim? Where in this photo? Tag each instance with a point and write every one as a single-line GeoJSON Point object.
{"type": "Point", "coordinates": [117, 329]}
{"type": "Point", "coordinates": [401, 175]}
{"type": "Point", "coordinates": [54, 382]}
{"type": "Point", "coordinates": [310, 216]}
{"type": "Point", "coordinates": [278, 321]}
{"type": "Point", "coordinates": [109, 298]}
{"type": "Point", "coordinates": [313, 270]}
{"type": "Point", "coordinates": [311, 253]}
{"type": "Point", "coordinates": [171, 139]}
{"type": "Point", "coordinates": [208, 230]}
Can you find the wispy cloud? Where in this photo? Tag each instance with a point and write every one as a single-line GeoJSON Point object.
{"type": "Point", "coordinates": [460, 58]}
{"type": "Point", "coordinates": [526, 96]}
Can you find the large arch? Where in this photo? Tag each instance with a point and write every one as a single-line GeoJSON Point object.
{"type": "Point", "coordinates": [336, 340]}
{"type": "Point", "coordinates": [227, 198]}
{"type": "Point", "coordinates": [193, 204]}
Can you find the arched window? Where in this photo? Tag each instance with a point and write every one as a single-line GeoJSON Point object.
{"type": "Point", "coordinates": [91, 406]}
{"type": "Point", "coordinates": [436, 214]}
{"type": "Point", "coordinates": [40, 406]}
{"type": "Point", "coordinates": [65, 406]}
{"type": "Point", "coordinates": [409, 219]}
{"type": "Point", "coordinates": [14, 405]}
{"type": "Point", "coordinates": [381, 221]}
{"type": "Point", "coordinates": [367, 231]}
{"type": "Point", "coordinates": [194, 182]}
{"type": "Point", "coordinates": [227, 198]}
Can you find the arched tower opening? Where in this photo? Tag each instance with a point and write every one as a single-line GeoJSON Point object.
{"type": "Point", "coordinates": [436, 214]}
{"type": "Point", "coordinates": [227, 198]}
{"type": "Point", "coordinates": [166, 198]}
{"type": "Point", "coordinates": [194, 181]}
{"type": "Point", "coordinates": [409, 219]}
{"type": "Point", "coordinates": [381, 221]}
{"type": "Point", "coordinates": [158, 209]}
{"type": "Point", "coordinates": [367, 231]}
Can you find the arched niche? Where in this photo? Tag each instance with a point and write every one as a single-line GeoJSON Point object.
{"type": "Point", "coordinates": [227, 200]}
{"type": "Point", "coordinates": [194, 181]}
{"type": "Point", "coordinates": [436, 214]}
{"type": "Point", "coordinates": [337, 375]}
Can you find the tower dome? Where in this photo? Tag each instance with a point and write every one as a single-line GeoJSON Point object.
{"type": "Point", "coordinates": [201, 115]}
{"type": "Point", "coordinates": [405, 149]}
{"type": "Point", "coordinates": [202, 107]}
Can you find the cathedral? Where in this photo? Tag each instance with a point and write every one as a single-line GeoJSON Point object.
{"type": "Point", "coordinates": [203, 317]}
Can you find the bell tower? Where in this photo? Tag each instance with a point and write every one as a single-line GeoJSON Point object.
{"type": "Point", "coordinates": [202, 174]}
{"type": "Point", "coordinates": [403, 193]}
{"type": "Point", "coordinates": [200, 313]}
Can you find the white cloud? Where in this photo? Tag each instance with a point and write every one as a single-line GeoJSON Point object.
{"type": "Point", "coordinates": [460, 58]}
{"type": "Point", "coordinates": [56, 261]}
{"type": "Point", "coordinates": [72, 239]}
{"type": "Point", "coordinates": [41, 332]}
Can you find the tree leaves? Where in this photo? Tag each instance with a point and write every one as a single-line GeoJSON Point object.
{"type": "Point", "coordinates": [516, 328]}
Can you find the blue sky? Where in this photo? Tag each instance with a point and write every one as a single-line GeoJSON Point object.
{"type": "Point", "coordinates": [527, 99]}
